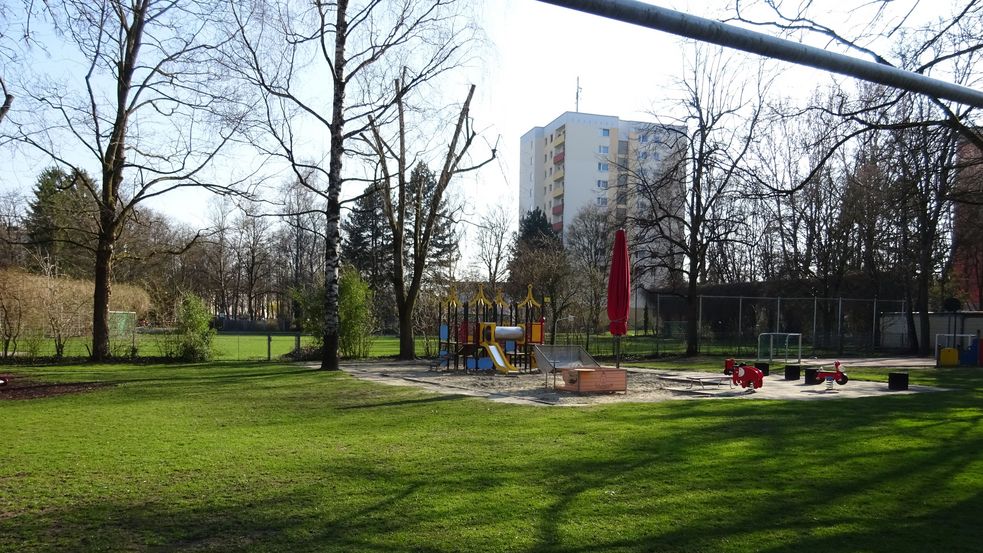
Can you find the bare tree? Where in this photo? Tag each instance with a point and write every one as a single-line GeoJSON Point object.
{"type": "Point", "coordinates": [361, 48]}
{"type": "Point", "coordinates": [303, 241]}
{"type": "Point", "coordinates": [948, 45]}
{"type": "Point", "coordinates": [148, 110]}
{"type": "Point", "coordinates": [12, 311]}
{"type": "Point", "coordinates": [919, 133]}
{"type": "Point", "coordinates": [253, 259]}
{"type": "Point", "coordinates": [493, 236]}
{"type": "Point", "coordinates": [218, 254]}
{"type": "Point", "coordinates": [589, 241]}
{"type": "Point", "coordinates": [15, 35]}
{"type": "Point", "coordinates": [60, 306]}
{"type": "Point", "coordinates": [680, 215]}
{"type": "Point", "coordinates": [12, 206]}
{"type": "Point", "coordinates": [414, 203]}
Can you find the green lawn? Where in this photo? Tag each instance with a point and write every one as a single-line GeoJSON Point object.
{"type": "Point", "coordinates": [228, 346]}
{"type": "Point", "coordinates": [275, 457]}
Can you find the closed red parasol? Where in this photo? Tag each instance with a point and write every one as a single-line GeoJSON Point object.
{"type": "Point", "coordinates": [619, 284]}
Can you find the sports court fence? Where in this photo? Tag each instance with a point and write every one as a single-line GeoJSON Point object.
{"type": "Point", "coordinates": [731, 325]}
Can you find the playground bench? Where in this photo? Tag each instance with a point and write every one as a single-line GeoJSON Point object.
{"type": "Point", "coordinates": [703, 380]}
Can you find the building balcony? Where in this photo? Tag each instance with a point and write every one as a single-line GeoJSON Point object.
{"type": "Point", "coordinates": [558, 227]}
{"type": "Point", "coordinates": [558, 209]}
{"type": "Point", "coordinates": [557, 189]}
{"type": "Point", "coordinates": [558, 158]}
{"type": "Point", "coordinates": [558, 173]}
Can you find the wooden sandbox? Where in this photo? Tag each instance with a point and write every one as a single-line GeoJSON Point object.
{"type": "Point", "coordinates": [580, 372]}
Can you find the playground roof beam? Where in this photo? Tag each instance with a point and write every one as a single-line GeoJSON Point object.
{"type": "Point", "coordinates": [722, 34]}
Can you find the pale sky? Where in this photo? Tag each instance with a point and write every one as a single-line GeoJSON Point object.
{"type": "Point", "coordinates": [527, 77]}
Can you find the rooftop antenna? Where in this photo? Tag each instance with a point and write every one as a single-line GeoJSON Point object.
{"type": "Point", "coordinates": [577, 108]}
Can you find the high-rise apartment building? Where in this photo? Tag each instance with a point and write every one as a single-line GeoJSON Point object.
{"type": "Point", "coordinates": [581, 159]}
{"type": "Point", "coordinates": [624, 167]}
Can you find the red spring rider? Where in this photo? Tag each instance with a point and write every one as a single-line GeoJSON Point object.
{"type": "Point", "coordinates": [838, 375]}
{"type": "Point", "coordinates": [747, 376]}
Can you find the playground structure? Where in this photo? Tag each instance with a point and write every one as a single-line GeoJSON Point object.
{"type": "Point", "coordinates": [492, 335]}
{"type": "Point", "coordinates": [579, 371]}
{"type": "Point", "coordinates": [486, 335]}
{"type": "Point", "coordinates": [955, 350]}
{"type": "Point", "coordinates": [744, 375]}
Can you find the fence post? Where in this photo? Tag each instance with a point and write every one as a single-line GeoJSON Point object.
{"type": "Point", "coordinates": [699, 326]}
{"type": "Point", "coordinates": [740, 323]}
{"type": "Point", "coordinates": [815, 310]}
{"type": "Point", "coordinates": [873, 328]}
{"type": "Point", "coordinates": [658, 322]}
{"type": "Point", "coordinates": [778, 314]}
{"type": "Point", "coordinates": [839, 326]}
{"type": "Point", "coordinates": [269, 347]}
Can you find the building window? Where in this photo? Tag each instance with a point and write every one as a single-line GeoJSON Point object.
{"type": "Point", "coordinates": [602, 149]}
{"type": "Point", "coordinates": [643, 138]}
{"type": "Point", "coordinates": [644, 155]}
{"type": "Point", "coordinates": [602, 201]}
{"type": "Point", "coordinates": [602, 184]}
{"type": "Point", "coordinates": [602, 167]}
{"type": "Point", "coordinates": [605, 132]}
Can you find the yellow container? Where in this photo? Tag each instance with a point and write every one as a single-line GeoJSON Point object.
{"type": "Point", "coordinates": [949, 357]}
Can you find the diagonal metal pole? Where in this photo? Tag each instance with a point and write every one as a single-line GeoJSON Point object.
{"type": "Point", "coordinates": [722, 34]}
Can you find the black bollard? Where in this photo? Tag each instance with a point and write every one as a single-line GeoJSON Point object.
{"type": "Point", "coordinates": [897, 381]}
{"type": "Point", "coordinates": [763, 367]}
{"type": "Point", "coordinates": [792, 372]}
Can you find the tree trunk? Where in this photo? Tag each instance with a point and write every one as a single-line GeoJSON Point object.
{"type": "Point", "coordinates": [100, 300]}
{"type": "Point", "coordinates": [407, 342]}
{"type": "Point", "coordinates": [692, 304]}
{"type": "Point", "coordinates": [332, 234]}
{"type": "Point", "coordinates": [8, 100]}
{"type": "Point", "coordinates": [923, 315]}
{"type": "Point", "coordinates": [332, 261]}
{"type": "Point", "coordinates": [692, 321]}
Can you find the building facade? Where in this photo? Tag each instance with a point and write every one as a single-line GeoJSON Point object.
{"type": "Point", "coordinates": [582, 159]}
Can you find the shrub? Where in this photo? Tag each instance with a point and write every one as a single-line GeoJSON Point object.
{"type": "Point", "coordinates": [193, 333]}
{"type": "Point", "coordinates": [356, 321]}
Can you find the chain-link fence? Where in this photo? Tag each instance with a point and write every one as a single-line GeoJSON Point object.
{"type": "Point", "coordinates": [159, 342]}
{"type": "Point", "coordinates": [731, 325]}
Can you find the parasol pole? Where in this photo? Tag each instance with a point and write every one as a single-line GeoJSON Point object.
{"type": "Point", "coordinates": [617, 357]}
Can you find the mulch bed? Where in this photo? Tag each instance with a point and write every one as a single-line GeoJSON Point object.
{"type": "Point", "coordinates": [20, 387]}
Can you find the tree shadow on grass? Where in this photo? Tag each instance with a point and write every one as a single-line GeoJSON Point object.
{"type": "Point", "coordinates": [406, 402]}
{"type": "Point", "coordinates": [740, 489]}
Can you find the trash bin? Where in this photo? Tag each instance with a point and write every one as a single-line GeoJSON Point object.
{"type": "Point", "coordinates": [763, 367]}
